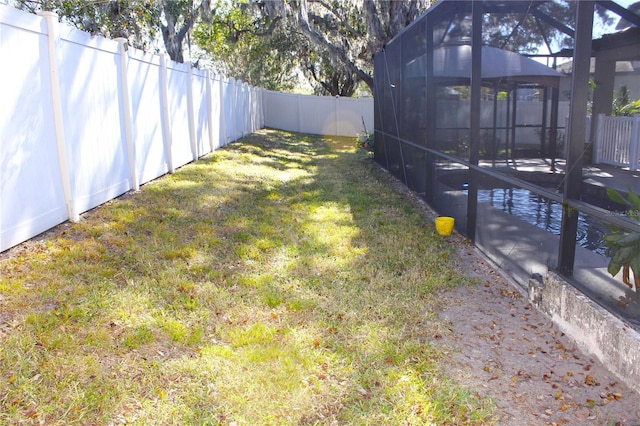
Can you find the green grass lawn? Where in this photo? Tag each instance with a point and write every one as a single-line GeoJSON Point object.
{"type": "Point", "coordinates": [280, 280]}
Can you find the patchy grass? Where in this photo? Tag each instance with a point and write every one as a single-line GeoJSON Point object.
{"type": "Point", "coordinates": [281, 280]}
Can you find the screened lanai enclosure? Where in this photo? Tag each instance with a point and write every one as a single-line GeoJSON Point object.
{"type": "Point", "coordinates": [468, 114]}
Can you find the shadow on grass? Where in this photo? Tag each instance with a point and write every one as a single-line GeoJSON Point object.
{"type": "Point", "coordinates": [279, 280]}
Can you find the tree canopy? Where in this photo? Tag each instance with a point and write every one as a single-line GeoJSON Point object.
{"type": "Point", "coordinates": [275, 43]}
{"type": "Point", "coordinates": [335, 40]}
{"type": "Point", "coordinates": [139, 21]}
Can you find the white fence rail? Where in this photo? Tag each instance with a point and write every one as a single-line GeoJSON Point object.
{"type": "Point", "coordinates": [618, 141]}
{"type": "Point", "coordinates": [323, 115]}
{"type": "Point", "coordinates": [82, 120]}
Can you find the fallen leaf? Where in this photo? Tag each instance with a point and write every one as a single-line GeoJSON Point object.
{"type": "Point", "coordinates": [589, 380]}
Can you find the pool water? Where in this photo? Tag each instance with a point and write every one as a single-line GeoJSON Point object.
{"type": "Point", "coordinates": [543, 213]}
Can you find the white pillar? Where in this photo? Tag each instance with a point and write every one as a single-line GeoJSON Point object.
{"type": "Point", "coordinates": [634, 149]}
{"type": "Point", "coordinates": [207, 76]}
{"type": "Point", "coordinates": [222, 118]}
{"type": "Point", "coordinates": [239, 98]}
{"type": "Point", "coordinates": [63, 155]}
{"type": "Point", "coordinates": [164, 101]}
{"type": "Point", "coordinates": [233, 94]}
{"type": "Point", "coordinates": [261, 108]}
{"type": "Point", "coordinates": [335, 115]}
{"type": "Point", "coordinates": [298, 114]}
{"type": "Point", "coordinates": [126, 113]}
{"type": "Point", "coordinates": [190, 114]}
{"type": "Point", "coordinates": [597, 143]}
{"type": "Point", "coordinates": [246, 113]}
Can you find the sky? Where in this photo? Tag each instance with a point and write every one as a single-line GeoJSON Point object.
{"type": "Point", "coordinates": [599, 30]}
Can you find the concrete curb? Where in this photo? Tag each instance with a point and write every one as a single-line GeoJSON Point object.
{"type": "Point", "coordinates": [595, 330]}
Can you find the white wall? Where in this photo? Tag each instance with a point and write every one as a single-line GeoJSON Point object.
{"type": "Point", "coordinates": [323, 115]}
{"type": "Point", "coordinates": [83, 121]}
{"type": "Point", "coordinates": [326, 115]}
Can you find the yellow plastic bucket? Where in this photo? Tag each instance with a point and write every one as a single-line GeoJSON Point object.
{"type": "Point", "coordinates": [444, 225]}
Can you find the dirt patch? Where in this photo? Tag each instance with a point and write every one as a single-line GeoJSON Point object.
{"type": "Point", "coordinates": [503, 348]}
{"type": "Point", "coordinates": [500, 345]}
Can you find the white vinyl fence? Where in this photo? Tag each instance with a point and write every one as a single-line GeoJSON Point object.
{"type": "Point", "coordinates": [340, 116]}
{"type": "Point", "coordinates": [322, 115]}
{"type": "Point", "coordinates": [83, 120]}
{"type": "Point", "coordinates": [618, 141]}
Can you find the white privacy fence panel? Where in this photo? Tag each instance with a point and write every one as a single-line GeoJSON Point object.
{"type": "Point", "coordinates": [182, 151]}
{"type": "Point", "coordinates": [317, 115]}
{"type": "Point", "coordinates": [618, 141]}
{"type": "Point", "coordinates": [281, 111]}
{"type": "Point", "coordinates": [144, 78]}
{"type": "Point", "coordinates": [83, 120]}
{"type": "Point", "coordinates": [322, 115]}
{"type": "Point", "coordinates": [201, 103]}
{"type": "Point", "coordinates": [93, 132]}
{"type": "Point", "coordinates": [29, 167]}
{"type": "Point", "coordinates": [344, 116]}
{"type": "Point", "coordinates": [241, 104]}
{"type": "Point", "coordinates": [216, 100]}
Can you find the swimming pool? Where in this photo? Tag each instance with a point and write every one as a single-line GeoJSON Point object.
{"type": "Point", "coordinates": [544, 214]}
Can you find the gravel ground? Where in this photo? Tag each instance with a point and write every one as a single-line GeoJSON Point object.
{"type": "Point", "coordinates": [505, 349]}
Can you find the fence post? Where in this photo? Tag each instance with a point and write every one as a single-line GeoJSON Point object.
{"type": "Point", "coordinates": [299, 115]}
{"type": "Point", "coordinates": [209, 95]}
{"type": "Point", "coordinates": [190, 114]}
{"type": "Point", "coordinates": [597, 148]}
{"type": "Point", "coordinates": [259, 110]}
{"type": "Point", "coordinates": [164, 101]}
{"type": "Point", "coordinates": [54, 78]}
{"type": "Point", "coordinates": [223, 121]}
{"type": "Point", "coordinates": [231, 86]}
{"type": "Point", "coordinates": [126, 112]}
{"type": "Point", "coordinates": [240, 101]}
{"type": "Point", "coordinates": [240, 107]}
{"type": "Point", "coordinates": [634, 147]}
{"type": "Point", "coordinates": [247, 110]}
{"type": "Point", "coordinates": [335, 115]}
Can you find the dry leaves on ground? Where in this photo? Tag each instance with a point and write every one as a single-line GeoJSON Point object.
{"type": "Point", "coordinates": [509, 351]}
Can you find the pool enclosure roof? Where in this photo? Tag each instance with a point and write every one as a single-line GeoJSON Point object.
{"type": "Point", "coordinates": [452, 66]}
